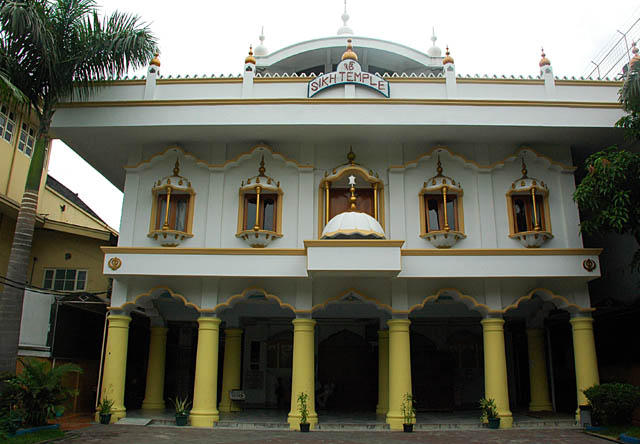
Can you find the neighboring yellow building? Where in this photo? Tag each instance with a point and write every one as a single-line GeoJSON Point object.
{"type": "Point", "coordinates": [65, 255]}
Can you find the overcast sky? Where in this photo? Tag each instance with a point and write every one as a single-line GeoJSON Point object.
{"type": "Point", "coordinates": [485, 37]}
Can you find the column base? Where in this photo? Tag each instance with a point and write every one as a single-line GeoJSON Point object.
{"type": "Point", "coordinates": [294, 421]}
{"type": "Point", "coordinates": [153, 405]}
{"type": "Point", "coordinates": [228, 408]}
{"type": "Point", "coordinates": [546, 407]}
{"type": "Point", "coordinates": [506, 421]}
{"type": "Point", "coordinates": [395, 421]}
{"type": "Point", "coordinates": [204, 419]}
{"type": "Point", "coordinates": [381, 411]}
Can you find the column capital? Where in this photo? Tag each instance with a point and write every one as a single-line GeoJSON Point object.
{"type": "Point", "coordinates": [303, 324]}
{"type": "Point", "coordinates": [209, 323]}
{"type": "Point", "coordinates": [537, 332]}
{"type": "Point", "coordinates": [383, 334]}
{"type": "Point", "coordinates": [581, 323]}
{"type": "Point", "coordinates": [398, 324]}
{"type": "Point", "coordinates": [492, 324]}
{"type": "Point", "coordinates": [119, 321]}
{"type": "Point", "coordinates": [158, 331]}
{"type": "Point", "coordinates": [233, 332]}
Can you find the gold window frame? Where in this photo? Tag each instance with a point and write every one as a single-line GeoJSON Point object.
{"type": "Point", "coordinates": [526, 192]}
{"type": "Point", "coordinates": [437, 192]}
{"type": "Point", "coordinates": [278, 213]}
{"type": "Point", "coordinates": [164, 189]}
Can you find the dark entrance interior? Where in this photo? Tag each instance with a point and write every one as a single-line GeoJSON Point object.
{"type": "Point", "coordinates": [350, 363]}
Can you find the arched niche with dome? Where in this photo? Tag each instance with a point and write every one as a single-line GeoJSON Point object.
{"type": "Point", "coordinates": [441, 211]}
{"type": "Point", "coordinates": [172, 209]}
{"type": "Point", "coordinates": [260, 209]}
{"type": "Point", "coordinates": [337, 190]}
{"type": "Point", "coordinates": [528, 209]}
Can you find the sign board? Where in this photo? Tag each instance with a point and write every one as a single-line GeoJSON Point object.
{"type": "Point", "coordinates": [348, 72]}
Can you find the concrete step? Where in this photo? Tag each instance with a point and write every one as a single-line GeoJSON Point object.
{"type": "Point", "coordinates": [231, 425]}
{"type": "Point", "coordinates": [547, 424]}
{"type": "Point", "coordinates": [447, 426]}
{"type": "Point", "coordinates": [357, 426]}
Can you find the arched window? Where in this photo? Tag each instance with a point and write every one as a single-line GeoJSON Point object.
{"type": "Point", "coordinates": [528, 209]}
{"type": "Point", "coordinates": [335, 192]}
{"type": "Point", "coordinates": [260, 209]}
{"type": "Point", "coordinates": [172, 209]}
{"type": "Point", "coordinates": [441, 212]}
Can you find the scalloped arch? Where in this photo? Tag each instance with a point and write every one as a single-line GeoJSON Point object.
{"type": "Point", "coordinates": [366, 299]}
{"type": "Point", "coordinates": [549, 296]}
{"type": "Point", "coordinates": [234, 299]}
{"type": "Point", "coordinates": [149, 294]}
{"type": "Point", "coordinates": [458, 296]}
{"type": "Point", "coordinates": [222, 166]}
{"type": "Point", "coordinates": [479, 167]}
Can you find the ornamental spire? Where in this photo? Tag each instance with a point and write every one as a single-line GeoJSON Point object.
{"type": "Point", "coordinates": [344, 29]}
{"type": "Point", "coordinates": [544, 61]}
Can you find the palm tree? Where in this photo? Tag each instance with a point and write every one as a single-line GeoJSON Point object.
{"type": "Point", "coordinates": [53, 50]}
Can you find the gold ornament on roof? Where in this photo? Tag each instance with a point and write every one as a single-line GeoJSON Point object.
{"type": "Point", "coordinates": [349, 54]}
{"type": "Point", "coordinates": [176, 168]}
{"type": "Point", "coordinates": [448, 58]}
{"type": "Point", "coordinates": [544, 61]}
{"type": "Point", "coordinates": [351, 156]}
{"type": "Point", "coordinates": [155, 60]}
{"type": "Point", "coordinates": [250, 58]}
{"type": "Point", "coordinates": [262, 178]}
{"type": "Point", "coordinates": [524, 170]}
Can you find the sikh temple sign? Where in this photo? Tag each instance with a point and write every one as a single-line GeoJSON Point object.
{"type": "Point", "coordinates": [348, 72]}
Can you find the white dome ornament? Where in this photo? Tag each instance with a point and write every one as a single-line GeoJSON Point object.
{"type": "Point", "coordinates": [434, 51]}
{"type": "Point", "coordinates": [528, 213]}
{"type": "Point", "coordinates": [441, 216]}
{"type": "Point", "coordinates": [353, 224]}
{"type": "Point", "coordinates": [261, 50]}
{"type": "Point", "coordinates": [344, 29]}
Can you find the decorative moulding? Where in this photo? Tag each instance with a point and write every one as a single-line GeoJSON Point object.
{"type": "Point", "coordinates": [532, 239]}
{"type": "Point", "coordinates": [258, 238]}
{"type": "Point", "coordinates": [168, 238]}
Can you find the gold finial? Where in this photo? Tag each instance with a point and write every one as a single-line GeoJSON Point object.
{"type": "Point", "coordinates": [250, 58]}
{"type": "Point", "coordinates": [176, 168]}
{"type": "Point", "coordinates": [544, 61]}
{"type": "Point", "coordinates": [155, 60]}
{"type": "Point", "coordinates": [524, 169]}
{"type": "Point", "coordinates": [349, 54]}
{"type": "Point", "coordinates": [448, 58]}
{"type": "Point", "coordinates": [262, 169]}
{"type": "Point", "coordinates": [352, 198]}
{"type": "Point", "coordinates": [439, 168]}
{"type": "Point", "coordinates": [351, 156]}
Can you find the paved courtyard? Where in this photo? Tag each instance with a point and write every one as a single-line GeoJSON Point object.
{"type": "Point", "coordinates": [187, 435]}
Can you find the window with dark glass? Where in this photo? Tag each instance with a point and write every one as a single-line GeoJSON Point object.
{"type": "Point", "coordinates": [435, 214]}
{"type": "Point", "coordinates": [266, 212]}
{"type": "Point", "coordinates": [64, 279]}
{"type": "Point", "coordinates": [27, 139]}
{"type": "Point", "coordinates": [523, 214]}
{"type": "Point", "coordinates": [176, 219]}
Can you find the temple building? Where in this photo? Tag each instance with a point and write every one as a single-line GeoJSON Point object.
{"type": "Point", "coordinates": [348, 219]}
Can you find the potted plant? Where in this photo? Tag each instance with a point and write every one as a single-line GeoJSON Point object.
{"type": "Point", "coordinates": [105, 409]}
{"type": "Point", "coordinates": [408, 412]}
{"type": "Point", "coordinates": [304, 412]}
{"type": "Point", "coordinates": [182, 406]}
{"type": "Point", "coordinates": [489, 413]}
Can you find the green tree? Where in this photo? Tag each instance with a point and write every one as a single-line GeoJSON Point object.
{"type": "Point", "coordinates": [51, 51]}
{"type": "Point", "coordinates": [609, 194]}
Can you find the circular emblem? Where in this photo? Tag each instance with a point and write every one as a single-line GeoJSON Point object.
{"type": "Point", "coordinates": [114, 263]}
{"type": "Point", "coordinates": [589, 265]}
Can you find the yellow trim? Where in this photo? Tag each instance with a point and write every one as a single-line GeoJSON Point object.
{"type": "Point", "coordinates": [77, 229]}
{"type": "Point", "coordinates": [475, 305]}
{"type": "Point", "coordinates": [236, 159]}
{"type": "Point", "coordinates": [205, 251]}
{"type": "Point", "coordinates": [335, 101]}
{"type": "Point", "coordinates": [160, 287]}
{"type": "Point", "coordinates": [551, 297]}
{"type": "Point", "coordinates": [355, 231]}
{"type": "Point", "coordinates": [243, 295]}
{"type": "Point", "coordinates": [353, 243]}
{"type": "Point", "coordinates": [438, 148]}
{"type": "Point", "coordinates": [350, 291]}
{"type": "Point", "coordinates": [501, 252]}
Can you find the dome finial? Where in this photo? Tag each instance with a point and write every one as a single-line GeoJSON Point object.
{"type": "Point", "coordinates": [439, 168]}
{"type": "Point", "coordinates": [261, 50]}
{"type": "Point", "coordinates": [448, 58]}
{"type": "Point", "coordinates": [352, 189]}
{"type": "Point", "coordinates": [524, 169]}
{"type": "Point", "coordinates": [155, 60]}
{"type": "Point", "coordinates": [544, 61]}
{"type": "Point", "coordinates": [345, 18]}
{"type": "Point", "coordinates": [433, 50]}
{"type": "Point", "coordinates": [349, 54]}
{"type": "Point", "coordinates": [250, 58]}
{"type": "Point", "coordinates": [262, 169]}
{"type": "Point", "coordinates": [176, 168]}
{"type": "Point", "coordinates": [351, 156]}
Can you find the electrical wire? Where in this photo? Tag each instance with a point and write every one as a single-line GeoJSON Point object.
{"type": "Point", "coordinates": [20, 286]}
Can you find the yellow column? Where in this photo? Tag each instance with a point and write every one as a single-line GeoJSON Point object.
{"type": "Point", "coordinates": [538, 381]}
{"type": "Point", "coordinates": [303, 378]}
{"type": "Point", "coordinates": [399, 370]}
{"type": "Point", "coordinates": [205, 390]}
{"type": "Point", "coordinates": [584, 353]}
{"type": "Point", "coordinates": [495, 369]}
{"type": "Point", "coordinates": [231, 368]}
{"type": "Point", "coordinates": [115, 365]}
{"type": "Point", "coordinates": [154, 391]}
{"type": "Point", "coordinates": [383, 372]}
